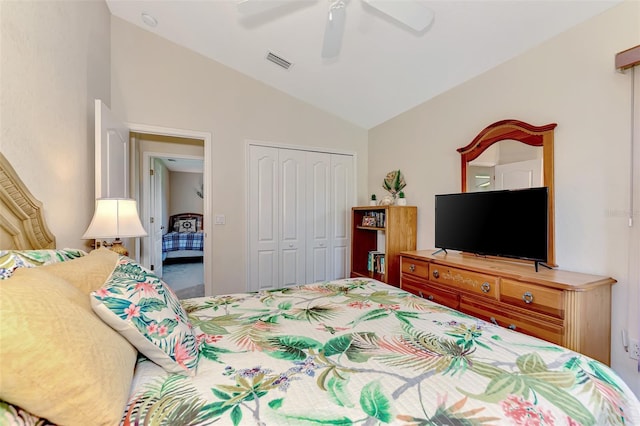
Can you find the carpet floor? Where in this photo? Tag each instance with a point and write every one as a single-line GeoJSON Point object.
{"type": "Point", "coordinates": [185, 278]}
{"type": "Point", "coordinates": [191, 292]}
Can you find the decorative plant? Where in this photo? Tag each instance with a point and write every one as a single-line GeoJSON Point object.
{"type": "Point", "coordinates": [394, 182]}
{"type": "Point", "coordinates": [373, 197]}
{"type": "Point", "coordinates": [400, 194]}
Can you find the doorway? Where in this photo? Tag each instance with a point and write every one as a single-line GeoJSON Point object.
{"type": "Point", "coordinates": [176, 228]}
{"type": "Point", "coordinates": [166, 158]}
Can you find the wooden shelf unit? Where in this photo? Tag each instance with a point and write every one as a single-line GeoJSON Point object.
{"type": "Point", "coordinates": [399, 234]}
{"type": "Point", "coordinates": [570, 309]}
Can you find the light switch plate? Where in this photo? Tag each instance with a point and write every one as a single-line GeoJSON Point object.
{"type": "Point", "coordinates": [634, 349]}
{"type": "Point", "coordinates": [220, 219]}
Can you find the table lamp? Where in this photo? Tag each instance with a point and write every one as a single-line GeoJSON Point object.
{"type": "Point", "coordinates": [115, 218]}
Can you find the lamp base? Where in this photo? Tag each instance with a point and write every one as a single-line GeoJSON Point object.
{"type": "Point", "coordinates": [119, 248]}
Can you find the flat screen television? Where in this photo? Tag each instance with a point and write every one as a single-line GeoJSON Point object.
{"type": "Point", "coordinates": [509, 223]}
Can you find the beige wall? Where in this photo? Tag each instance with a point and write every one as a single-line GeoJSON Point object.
{"type": "Point", "coordinates": [183, 193]}
{"type": "Point", "coordinates": [569, 80]}
{"type": "Point", "coordinates": [55, 61]}
{"type": "Point", "coordinates": [157, 83]}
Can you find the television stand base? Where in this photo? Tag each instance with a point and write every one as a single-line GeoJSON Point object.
{"type": "Point", "coordinates": [439, 251]}
{"type": "Point", "coordinates": [541, 264]}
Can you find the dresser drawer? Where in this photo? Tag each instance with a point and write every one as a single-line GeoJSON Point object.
{"type": "Point", "coordinates": [443, 297]}
{"type": "Point", "coordinates": [530, 296]}
{"type": "Point", "coordinates": [481, 284]}
{"type": "Point", "coordinates": [419, 268]}
{"type": "Point", "coordinates": [500, 315]}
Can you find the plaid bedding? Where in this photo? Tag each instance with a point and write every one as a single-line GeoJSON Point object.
{"type": "Point", "coordinates": [174, 241]}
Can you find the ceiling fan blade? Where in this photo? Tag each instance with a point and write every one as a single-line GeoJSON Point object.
{"type": "Point", "coordinates": [334, 30]}
{"type": "Point", "coordinates": [256, 7]}
{"type": "Point", "coordinates": [414, 14]}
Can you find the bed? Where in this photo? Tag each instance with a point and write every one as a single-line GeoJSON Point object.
{"type": "Point", "coordinates": [123, 350]}
{"type": "Point", "coordinates": [185, 238]}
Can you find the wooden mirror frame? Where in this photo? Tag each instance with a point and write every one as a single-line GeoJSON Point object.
{"type": "Point", "coordinates": [526, 133]}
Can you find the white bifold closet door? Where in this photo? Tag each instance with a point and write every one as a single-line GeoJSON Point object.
{"type": "Point", "coordinates": [299, 209]}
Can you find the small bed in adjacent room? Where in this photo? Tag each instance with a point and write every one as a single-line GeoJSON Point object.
{"type": "Point", "coordinates": [185, 238]}
{"type": "Point", "coordinates": [124, 350]}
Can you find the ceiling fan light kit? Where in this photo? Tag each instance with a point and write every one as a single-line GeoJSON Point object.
{"type": "Point", "coordinates": [413, 15]}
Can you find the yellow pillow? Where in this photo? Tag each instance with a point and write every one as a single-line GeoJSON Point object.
{"type": "Point", "coordinates": [59, 360]}
{"type": "Point", "coordinates": [87, 273]}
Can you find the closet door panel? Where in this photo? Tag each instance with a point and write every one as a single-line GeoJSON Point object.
{"type": "Point", "coordinates": [318, 181]}
{"type": "Point", "coordinates": [292, 216]}
{"type": "Point", "coordinates": [263, 218]}
{"type": "Point", "coordinates": [342, 199]}
{"type": "Point", "coordinates": [267, 276]}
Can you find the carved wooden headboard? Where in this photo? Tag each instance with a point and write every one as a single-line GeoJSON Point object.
{"type": "Point", "coordinates": [22, 224]}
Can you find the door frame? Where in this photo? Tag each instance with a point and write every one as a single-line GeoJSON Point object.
{"type": "Point", "coordinates": [207, 187]}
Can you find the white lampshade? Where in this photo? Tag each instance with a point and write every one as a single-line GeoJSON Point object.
{"type": "Point", "coordinates": [115, 218]}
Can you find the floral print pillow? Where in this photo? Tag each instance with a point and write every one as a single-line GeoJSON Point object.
{"type": "Point", "coordinates": [10, 260]}
{"type": "Point", "coordinates": [144, 309]}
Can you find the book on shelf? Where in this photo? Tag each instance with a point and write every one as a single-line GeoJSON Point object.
{"type": "Point", "coordinates": [375, 262]}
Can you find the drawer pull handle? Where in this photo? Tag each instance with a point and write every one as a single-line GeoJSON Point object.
{"type": "Point", "coordinates": [485, 287]}
{"type": "Point", "coordinates": [527, 297]}
{"type": "Point", "coordinates": [510, 327]}
{"type": "Point", "coordinates": [430, 297]}
{"type": "Point", "coordinates": [421, 295]}
{"type": "Point", "coordinates": [412, 267]}
{"type": "Point", "coordinates": [436, 274]}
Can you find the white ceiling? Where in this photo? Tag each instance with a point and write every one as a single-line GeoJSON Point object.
{"type": "Point", "coordinates": [185, 165]}
{"type": "Point", "coordinates": [383, 68]}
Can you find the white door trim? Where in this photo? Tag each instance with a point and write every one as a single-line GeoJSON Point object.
{"type": "Point", "coordinates": [207, 137]}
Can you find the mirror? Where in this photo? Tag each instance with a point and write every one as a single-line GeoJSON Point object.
{"type": "Point", "coordinates": [506, 164]}
{"type": "Point", "coordinates": [488, 162]}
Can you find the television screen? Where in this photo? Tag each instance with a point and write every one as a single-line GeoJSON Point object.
{"type": "Point", "coordinates": [510, 223]}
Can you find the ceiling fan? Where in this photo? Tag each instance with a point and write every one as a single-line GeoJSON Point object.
{"type": "Point", "coordinates": [413, 15]}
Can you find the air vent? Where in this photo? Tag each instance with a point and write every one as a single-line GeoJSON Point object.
{"type": "Point", "coordinates": [278, 60]}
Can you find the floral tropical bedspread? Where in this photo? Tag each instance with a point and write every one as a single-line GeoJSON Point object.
{"type": "Point", "coordinates": [361, 352]}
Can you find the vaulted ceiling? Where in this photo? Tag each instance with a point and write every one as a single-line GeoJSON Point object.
{"type": "Point", "coordinates": [383, 67]}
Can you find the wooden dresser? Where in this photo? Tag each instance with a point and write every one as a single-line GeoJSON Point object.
{"type": "Point", "coordinates": [567, 308]}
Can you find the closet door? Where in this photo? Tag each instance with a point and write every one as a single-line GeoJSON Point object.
{"type": "Point", "coordinates": [342, 199]}
{"type": "Point", "coordinates": [292, 216]}
{"type": "Point", "coordinates": [263, 218]}
{"type": "Point", "coordinates": [318, 177]}
{"type": "Point", "coordinates": [299, 216]}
